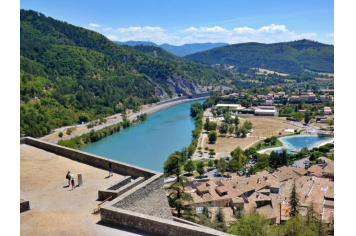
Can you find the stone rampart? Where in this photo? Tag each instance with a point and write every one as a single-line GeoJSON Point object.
{"type": "Point", "coordinates": [90, 159]}
{"type": "Point", "coordinates": [119, 188]}
{"type": "Point", "coordinates": [140, 204]}
{"type": "Point", "coordinates": [154, 225]}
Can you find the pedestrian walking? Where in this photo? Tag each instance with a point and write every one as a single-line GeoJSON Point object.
{"type": "Point", "coordinates": [110, 169]}
{"type": "Point", "coordinates": [68, 175]}
{"type": "Point", "coordinates": [73, 183]}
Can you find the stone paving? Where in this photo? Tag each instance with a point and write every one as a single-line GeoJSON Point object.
{"type": "Point", "coordinates": [55, 208]}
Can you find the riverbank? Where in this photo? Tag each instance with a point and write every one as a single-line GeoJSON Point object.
{"type": "Point", "coordinates": [54, 138]}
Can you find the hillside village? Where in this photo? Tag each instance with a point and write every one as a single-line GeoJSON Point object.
{"type": "Point", "coordinates": [269, 192]}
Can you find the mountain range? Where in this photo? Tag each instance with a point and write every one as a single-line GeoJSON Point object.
{"type": "Point", "coordinates": [289, 57]}
{"type": "Point", "coordinates": [181, 50]}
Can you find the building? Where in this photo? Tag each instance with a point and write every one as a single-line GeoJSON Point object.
{"type": "Point", "coordinates": [281, 93]}
{"type": "Point", "coordinates": [266, 111]}
{"type": "Point", "coordinates": [236, 106]}
{"type": "Point", "coordinates": [294, 98]}
{"type": "Point", "coordinates": [269, 102]}
{"type": "Point", "coordinates": [327, 111]}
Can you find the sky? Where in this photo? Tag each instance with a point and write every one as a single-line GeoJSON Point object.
{"type": "Point", "coordinates": [197, 21]}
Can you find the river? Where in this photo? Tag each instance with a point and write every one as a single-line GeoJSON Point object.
{"type": "Point", "coordinates": [149, 144]}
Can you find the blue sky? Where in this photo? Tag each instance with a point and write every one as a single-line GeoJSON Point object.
{"type": "Point", "coordinates": [197, 21]}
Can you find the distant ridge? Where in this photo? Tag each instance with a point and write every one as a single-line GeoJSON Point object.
{"type": "Point", "coordinates": [181, 51]}
{"type": "Point", "coordinates": [289, 57]}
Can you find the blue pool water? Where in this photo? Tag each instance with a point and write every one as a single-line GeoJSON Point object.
{"type": "Point", "coordinates": [299, 142]}
{"type": "Point", "coordinates": [149, 143]}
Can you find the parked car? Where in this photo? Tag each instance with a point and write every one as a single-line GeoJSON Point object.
{"type": "Point", "coordinates": [294, 165]}
{"type": "Point", "coordinates": [306, 162]}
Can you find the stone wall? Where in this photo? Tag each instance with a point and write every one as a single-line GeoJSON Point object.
{"type": "Point", "coordinates": [119, 188]}
{"type": "Point", "coordinates": [90, 159]}
{"type": "Point", "coordinates": [154, 225]}
{"type": "Point", "coordinates": [24, 205]}
{"type": "Point", "coordinates": [146, 198]}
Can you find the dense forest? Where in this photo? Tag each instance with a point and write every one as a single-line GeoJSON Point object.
{"type": "Point", "coordinates": [290, 57]}
{"type": "Point", "coordinates": [70, 74]}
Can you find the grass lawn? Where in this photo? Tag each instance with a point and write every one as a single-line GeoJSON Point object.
{"type": "Point", "coordinates": [278, 144]}
{"type": "Point", "coordinates": [205, 161]}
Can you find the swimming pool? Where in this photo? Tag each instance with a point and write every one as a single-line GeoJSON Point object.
{"type": "Point", "coordinates": [300, 142]}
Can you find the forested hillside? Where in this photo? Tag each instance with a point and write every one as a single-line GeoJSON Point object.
{"type": "Point", "coordinates": [70, 74]}
{"type": "Point", "coordinates": [290, 57]}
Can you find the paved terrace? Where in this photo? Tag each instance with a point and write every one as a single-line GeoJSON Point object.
{"type": "Point", "coordinates": [55, 208]}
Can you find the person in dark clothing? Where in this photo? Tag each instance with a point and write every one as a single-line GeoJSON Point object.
{"type": "Point", "coordinates": [110, 169]}
{"type": "Point", "coordinates": [68, 177]}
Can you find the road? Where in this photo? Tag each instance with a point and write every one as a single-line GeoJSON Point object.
{"type": "Point", "coordinates": [149, 111]}
{"type": "Point", "coordinates": [300, 163]}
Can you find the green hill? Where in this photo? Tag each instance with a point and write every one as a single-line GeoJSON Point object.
{"type": "Point", "coordinates": [70, 74]}
{"type": "Point", "coordinates": [290, 57]}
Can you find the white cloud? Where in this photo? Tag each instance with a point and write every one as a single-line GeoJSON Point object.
{"type": "Point", "coordinates": [273, 29]}
{"type": "Point", "coordinates": [331, 35]}
{"type": "Point", "coordinates": [94, 25]}
{"type": "Point", "coordinates": [112, 37]}
{"type": "Point", "coordinates": [243, 30]}
{"type": "Point", "coordinates": [107, 29]}
{"type": "Point", "coordinates": [265, 34]}
{"type": "Point", "coordinates": [139, 29]}
{"type": "Point", "coordinates": [154, 34]}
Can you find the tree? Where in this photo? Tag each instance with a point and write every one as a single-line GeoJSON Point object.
{"type": "Point", "coordinates": [213, 136]}
{"type": "Point", "coordinates": [223, 128]}
{"type": "Point", "coordinates": [307, 117]}
{"type": "Point", "coordinates": [219, 222]}
{"type": "Point", "coordinates": [211, 163]}
{"type": "Point", "coordinates": [294, 201]}
{"type": "Point", "coordinates": [60, 134]}
{"type": "Point", "coordinates": [231, 129]}
{"type": "Point", "coordinates": [83, 118]}
{"type": "Point", "coordinates": [236, 120]}
{"type": "Point", "coordinates": [206, 124]}
{"type": "Point", "coordinates": [177, 197]}
{"type": "Point", "coordinates": [247, 125]}
{"type": "Point", "coordinates": [312, 157]}
{"type": "Point", "coordinates": [189, 166]}
{"type": "Point", "coordinates": [237, 131]}
{"type": "Point", "coordinates": [173, 165]}
{"type": "Point", "coordinates": [234, 165]}
{"type": "Point", "coordinates": [330, 122]}
{"type": "Point", "coordinates": [69, 131]}
{"type": "Point", "coordinates": [221, 166]}
{"type": "Point", "coordinates": [212, 152]}
{"type": "Point", "coordinates": [200, 167]}
{"type": "Point", "coordinates": [243, 132]}
{"type": "Point", "coordinates": [252, 224]}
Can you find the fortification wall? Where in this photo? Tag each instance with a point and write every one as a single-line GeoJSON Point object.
{"type": "Point", "coordinates": [154, 225]}
{"type": "Point", "coordinates": [142, 204]}
{"type": "Point", "coordinates": [146, 198]}
{"type": "Point", "coordinates": [119, 188]}
{"type": "Point", "coordinates": [90, 159]}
